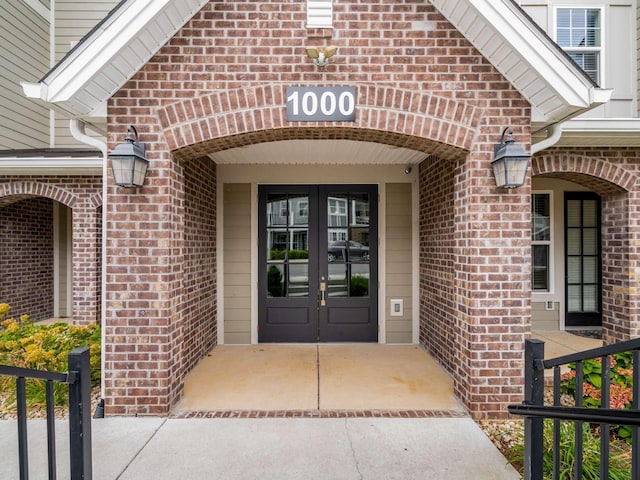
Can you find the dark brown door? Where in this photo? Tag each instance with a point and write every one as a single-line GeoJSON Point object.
{"type": "Point", "coordinates": [318, 263]}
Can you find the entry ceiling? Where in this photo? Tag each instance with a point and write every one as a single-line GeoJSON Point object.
{"type": "Point", "coordinates": [338, 152]}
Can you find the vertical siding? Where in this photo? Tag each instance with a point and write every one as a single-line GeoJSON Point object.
{"type": "Point", "coordinates": [398, 236]}
{"type": "Point", "coordinates": [73, 20]}
{"type": "Point", "coordinates": [24, 56]}
{"type": "Point", "coordinates": [237, 263]}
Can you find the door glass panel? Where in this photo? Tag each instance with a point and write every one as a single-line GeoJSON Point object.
{"type": "Point", "coordinates": [359, 281]}
{"type": "Point", "coordinates": [574, 213]}
{"type": "Point", "coordinates": [348, 228]}
{"type": "Point", "coordinates": [589, 270]}
{"type": "Point", "coordinates": [298, 285]}
{"type": "Point", "coordinates": [590, 213]}
{"type": "Point", "coordinates": [287, 245]}
{"type": "Point", "coordinates": [275, 280]}
{"type": "Point", "coordinates": [574, 270]}
{"type": "Point", "coordinates": [337, 285]}
{"type": "Point", "coordinates": [589, 298]}
{"type": "Point", "coordinates": [574, 297]}
{"type": "Point", "coordinates": [589, 241]}
{"type": "Point", "coordinates": [573, 241]}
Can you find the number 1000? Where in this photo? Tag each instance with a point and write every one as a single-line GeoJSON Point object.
{"type": "Point", "coordinates": [316, 103]}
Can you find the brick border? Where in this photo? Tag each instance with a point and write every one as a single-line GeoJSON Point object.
{"type": "Point", "coordinates": [250, 414]}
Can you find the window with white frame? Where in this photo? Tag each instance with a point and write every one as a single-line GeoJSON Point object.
{"type": "Point", "coordinates": [541, 242]}
{"type": "Point", "coordinates": [579, 33]}
{"type": "Point", "coordinates": [319, 13]}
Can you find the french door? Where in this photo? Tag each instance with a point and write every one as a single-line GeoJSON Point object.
{"type": "Point", "coordinates": [318, 278]}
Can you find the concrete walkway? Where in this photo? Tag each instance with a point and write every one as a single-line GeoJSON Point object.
{"type": "Point", "coordinates": [270, 448]}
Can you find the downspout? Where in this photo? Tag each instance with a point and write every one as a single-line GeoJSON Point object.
{"type": "Point", "coordinates": [553, 135]}
{"type": "Point", "coordinates": [77, 128]}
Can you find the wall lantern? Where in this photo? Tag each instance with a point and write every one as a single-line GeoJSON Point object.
{"type": "Point", "coordinates": [510, 162]}
{"type": "Point", "coordinates": [128, 162]}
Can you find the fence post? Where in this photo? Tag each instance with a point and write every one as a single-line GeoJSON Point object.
{"type": "Point", "coordinates": [80, 414]}
{"type": "Point", "coordinates": [533, 395]}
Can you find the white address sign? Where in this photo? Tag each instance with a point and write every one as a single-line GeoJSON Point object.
{"type": "Point", "coordinates": [321, 104]}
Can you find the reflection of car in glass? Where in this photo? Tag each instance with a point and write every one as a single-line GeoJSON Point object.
{"type": "Point", "coordinates": [337, 251]}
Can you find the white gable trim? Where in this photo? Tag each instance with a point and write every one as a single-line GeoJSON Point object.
{"type": "Point", "coordinates": [556, 88]}
{"type": "Point", "coordinates": [111, 54]}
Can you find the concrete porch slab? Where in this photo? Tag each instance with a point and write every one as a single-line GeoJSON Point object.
{"type": "Point", "coordinates": [254, 377]}
{"type": "Point", "coordinates": [383, 377]}
{"type": "Point", "coordinates": [325, 377]}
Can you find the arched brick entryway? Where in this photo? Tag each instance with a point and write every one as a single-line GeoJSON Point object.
{"type": "Point", "coordinates": [617, 186]}
{"type": "Point", "coordinates": [84, 197]}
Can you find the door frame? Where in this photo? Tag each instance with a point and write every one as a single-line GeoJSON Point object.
{"type": "Point", "coordinates": [340, 319]}
{"type": "Point", "coordinates": [253, 175]}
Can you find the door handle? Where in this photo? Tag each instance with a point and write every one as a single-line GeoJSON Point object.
{"type": "Point", "coordinates": [323, 293]}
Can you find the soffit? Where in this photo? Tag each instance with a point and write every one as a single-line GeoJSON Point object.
{"type": "Point", "coordinates": [327, 152]}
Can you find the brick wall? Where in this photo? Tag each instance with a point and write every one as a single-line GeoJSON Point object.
{"type": "Point", "coordinates": [200, 288]}
{"type": "Point", "coordinates": [26, 257]}
{"type": "Point", "coordinates": [84, 196]}
{"type": "Point", "coordinates": [220, 82]}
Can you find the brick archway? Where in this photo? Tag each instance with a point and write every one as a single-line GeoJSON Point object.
{"type": "Point", "coordinates": [598, 174]}
{"type": "Point", "coordinates": [421, 121]}
{"type": "Point", "coordinates": [84, 199]}
{"type": "Point", "coordinates": [616, 186]}
{"type": "Point", "coordinates": [12, 191]}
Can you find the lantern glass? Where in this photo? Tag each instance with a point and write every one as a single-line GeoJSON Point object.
{"type": "Point", "coordinates": [129, 171]}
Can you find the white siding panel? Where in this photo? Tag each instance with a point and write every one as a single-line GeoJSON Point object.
{"type": "Point", "coordinates": [24, 40]}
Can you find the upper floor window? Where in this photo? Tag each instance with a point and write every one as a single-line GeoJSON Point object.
{"type": "Point", "coordinates": [579, 33]}
{"type": "Point", "coordinates": [319, 13]}
{"type": "Point", "coordinates": [541, 242]}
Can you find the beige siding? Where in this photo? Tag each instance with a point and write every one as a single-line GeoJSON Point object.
{"type": "Point", "coordinates": [24, 53]}
{"type": "Point", "coordinates": [237, 263]}
{"type": "Point", "coordinates": [73, 20]}
{"type": "Point", "coordinates": [543, 319]}
{"type": "Point", "coordinates": [398, 277]}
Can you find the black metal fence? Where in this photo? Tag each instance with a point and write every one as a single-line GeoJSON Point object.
{"type": "Point", "coordinates": [79, 380]}
{"type": "Point", "coordinates": [534, 410]}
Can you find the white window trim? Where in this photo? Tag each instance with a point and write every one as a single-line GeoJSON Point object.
{"type": "Point", "coordinates": [550, 242]}
{"type": "Point", "coordinates": [319, 14]}
{"type": "Point", "coordinates": [601, 49]}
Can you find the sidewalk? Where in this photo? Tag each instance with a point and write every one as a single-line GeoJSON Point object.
{"type": "Point", "coordinates": [129, 448]}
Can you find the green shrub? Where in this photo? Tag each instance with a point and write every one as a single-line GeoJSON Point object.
{"type": "Point", "coordinates": [620, 391]}
{"type": "Point", "coordinates": [43, 347]}
{"type": "Point", "coordinates": [619, 465]}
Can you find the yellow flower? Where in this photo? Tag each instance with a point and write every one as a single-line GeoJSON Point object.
{"type": "Point", "coordinates": [4, 309]}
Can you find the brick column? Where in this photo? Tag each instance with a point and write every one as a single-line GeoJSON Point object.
{"type": "Point", "coordinates": [492, 286]}
{"type": "Point", "coordinates": [620, 268]}
{"type": "Point", "coordinates": [86, 263]}
{"type": "Point", "coordinates": [143, 324]}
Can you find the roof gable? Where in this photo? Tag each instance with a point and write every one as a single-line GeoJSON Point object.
{"type": "Point", "coordinates": [82, 83]}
